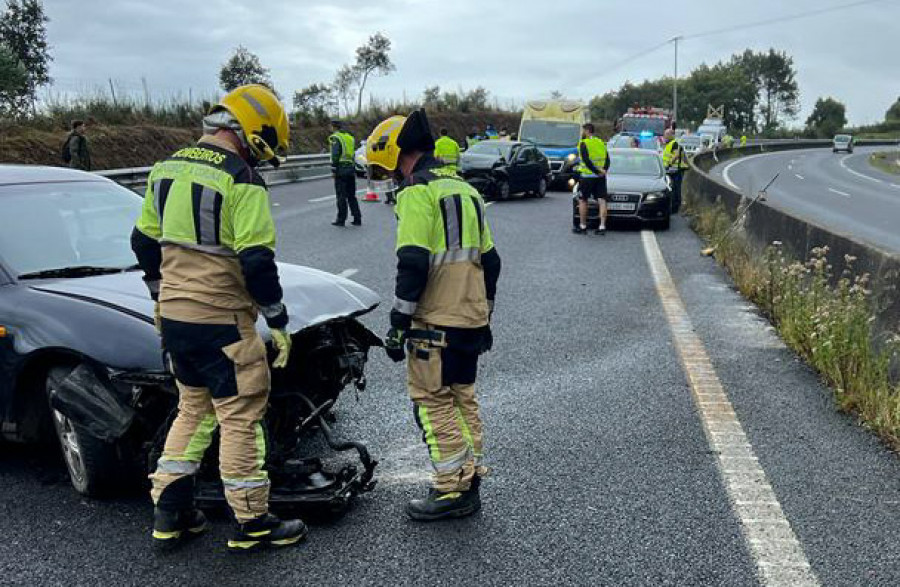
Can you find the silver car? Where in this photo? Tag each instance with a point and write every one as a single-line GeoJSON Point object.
{"type": "Point", "coordinates": [842, 143]}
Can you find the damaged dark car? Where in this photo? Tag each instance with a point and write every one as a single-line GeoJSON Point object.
{"type": "Point", "coordinates": [81, 362]}
{"type": "Point", "coordinates": [500, 169]}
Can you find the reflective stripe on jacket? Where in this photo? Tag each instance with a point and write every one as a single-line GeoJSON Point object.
{"type": "Point", "coordinates": [597, 153]}
{"type": "Point", "coordinates": [347, 147]}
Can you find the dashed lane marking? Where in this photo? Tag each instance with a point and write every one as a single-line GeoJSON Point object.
{"type": "Point", "coordinates": [488, 204]}
{"type": "Point", "coordinates": [839, 192]}
{"type": "Point", "coordinates": [323, 199]}
{"type": "Point", "coordinates": [349, 272]}
{"type": "Point", "coordinates": [779, 557]}
{"type": "Point", "coordinates": [798, 176]}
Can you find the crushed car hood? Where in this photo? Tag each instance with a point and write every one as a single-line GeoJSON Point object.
{"type": "Point", "coordinates": [311, 296]}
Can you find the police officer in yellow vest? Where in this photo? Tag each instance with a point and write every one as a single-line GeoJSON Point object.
{"type": "Point", "coordinates": [594, 162]}
{"type": "Point", "coordinates": [447, 273]}
{"type": "Point", "coordinates": [206, 243]}
{"type": "Point", "coordinates": [676, 162]}
{"type": "Point", "coordinates": [343, 149]}
{"type": "Point", "coordinates": [446, 150]}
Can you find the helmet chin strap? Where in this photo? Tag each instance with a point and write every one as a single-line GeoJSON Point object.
{"type": "Point", "coordinates": [223, 120]}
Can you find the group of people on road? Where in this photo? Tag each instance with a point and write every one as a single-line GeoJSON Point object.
{"type": "Point", "coordinates": [206, 242]}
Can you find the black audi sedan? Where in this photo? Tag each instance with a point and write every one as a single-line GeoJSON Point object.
{"type": "Point", "coordinates": [638, 187]}
{"type": "Point", "coordinates": [81, 361]}
{"type": "Point", "coordinates": [499, 169]}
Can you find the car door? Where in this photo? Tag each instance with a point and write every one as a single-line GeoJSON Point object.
{"type": "Point", "coordinates": [533, 169]}
{"type": "Point", "coordinates": [516, 170]}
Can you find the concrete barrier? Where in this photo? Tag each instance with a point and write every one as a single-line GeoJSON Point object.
{"type": "Point", "coordinates": [763, 224]}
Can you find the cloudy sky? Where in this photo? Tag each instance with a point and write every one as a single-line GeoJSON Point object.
{"type": "Point", "coordinates": [517, 49]}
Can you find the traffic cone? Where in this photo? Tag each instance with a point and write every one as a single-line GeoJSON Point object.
{"type": "Point", "coordinates": [370, 196]}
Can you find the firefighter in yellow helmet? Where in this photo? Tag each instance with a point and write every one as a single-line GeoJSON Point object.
{"type": "Point", "coordinates": [447, 273]}
{"type": "Point", "coordinates": [206, 243]}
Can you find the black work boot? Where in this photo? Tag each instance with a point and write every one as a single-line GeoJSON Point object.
{"type": "Point", "coordinates": [337, 223]}
{"type": "Point", "coordinates": [438, 506]}
{"type": "Point", "coordinates": [266, 530]}
{"type": "Point", "coordinates": [171, 528]}
{"type": "Point", "coordinates": [473, 495]}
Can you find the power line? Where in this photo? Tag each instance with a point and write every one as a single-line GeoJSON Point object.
{"type": "Point", "coordinates": [779, 20]}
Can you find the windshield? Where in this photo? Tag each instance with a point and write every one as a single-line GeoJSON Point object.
{"type": "Point", "coordinates": [842, 139]}
{"type": "Point", "coordinates": [635, 163]}
{"type": "Point", "coordinates": [691, 141]}
{"type": "Point", "coordinates": [57, 225]}
{"type": "Point", "coordinates": [623, 141]}
{"type": "Point", "coordinates": [636, 124]}
{"type": "Point", "coordinates": [546, 133]}
{"type": "Point", "coordinates": [491, 147]}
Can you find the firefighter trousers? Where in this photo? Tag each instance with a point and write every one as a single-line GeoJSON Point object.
{"type": "Point", "coordinates": [441, 383]}
{"type": "Point", "coordinates": [223, 382]}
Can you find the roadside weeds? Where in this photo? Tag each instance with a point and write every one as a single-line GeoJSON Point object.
{"type": "Point", "coordinates": [828, 323]}
{"type": "Point", "coordinates": [888, 161]}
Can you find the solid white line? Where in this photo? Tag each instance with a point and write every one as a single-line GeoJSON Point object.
{"type": "Point", "coordinates": [348, 272]}
{"type": "Point", "coordinates": [862, 175]}
{"type": "Point", "coordinates": [798, 176]}
{"type": "Point", "coordinates": [726, 172]}
{"type": "Point", "coordinates": [839, 192]}
{"type": "Point", "coordinates": [488, 204]}
{"type": "Point", "coordinates": [779, 562]}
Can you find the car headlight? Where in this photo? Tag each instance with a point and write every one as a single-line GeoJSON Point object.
{"type": "Point", "coordinates": [654, 196]}
{"type": "Point", "coordinates": [571, 157]}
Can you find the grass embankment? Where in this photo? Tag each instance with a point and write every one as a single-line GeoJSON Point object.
{"type": "Point", "coordinates": [888, 161]}
{"type": "Point", "coordinates": [829, 326]}
{"type": "Point", "coordinates": [138, 145]}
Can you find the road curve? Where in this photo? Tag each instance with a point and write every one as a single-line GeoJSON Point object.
{"type": "Point", "coordinates": [838, 191]}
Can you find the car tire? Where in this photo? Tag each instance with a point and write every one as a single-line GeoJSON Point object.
{"type": "Point", "coordinates": [665, 223]}
{"type": "Point", "coordinates": [503, 192]}
{"type": "Point", "coordinates": [542, 188]}
{"type": "Point", "coordinates": [93, 464]}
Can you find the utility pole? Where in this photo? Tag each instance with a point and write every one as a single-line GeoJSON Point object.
{"type": "Point", "coordinates": [675, 83]}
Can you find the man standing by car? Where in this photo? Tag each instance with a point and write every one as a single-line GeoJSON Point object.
{"type": "Point", "coordinates": [344, 173]}
{"type": "Point", "coordinates": [447, 273]}
{"type": "Point", "coordinates": [206, 243]}
{"type": "Point", "coordinates": [75, 150]}
{"type": "Point", "coordinates": [676, 163]}
{"type": "Point", "coordinates": [446, 150]}
{"type": "Point", "coordinates": [592, 168]}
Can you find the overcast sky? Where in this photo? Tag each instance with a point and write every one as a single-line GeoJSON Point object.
{"type": "Point", "coordinates": [517, 49]}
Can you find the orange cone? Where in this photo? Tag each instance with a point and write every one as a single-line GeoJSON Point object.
{"type": "Point", "coordinates": [370, 196]}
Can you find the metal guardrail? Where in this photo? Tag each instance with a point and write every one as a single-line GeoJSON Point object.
{"type": "Point", "coordinates": [296, 168]}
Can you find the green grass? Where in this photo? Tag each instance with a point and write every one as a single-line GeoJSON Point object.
{"type": "Point", "coordinates": [888, 161]}
{"type": "Point", "coordinates": [829, 324]}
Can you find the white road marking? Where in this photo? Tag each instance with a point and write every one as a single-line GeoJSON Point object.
{"type": "Point", "coordinates": [726, 171]}
{"type": "Point", "coordinates": [862, 175]}
{"type": "Point", "coordinates": [488, 204]}
{"type": "Point", "coordinates": [798, 176]}
{"type": "Point", "coordinates": [348, 272]}
{"type": "Point", "coordinates": [790, 167]}
{"type": "Point", "coordinates": [323, 198]}
{"type": "Point", "coordinates": [780, 560]}
{"type": "Point", "coordinates": [894, 185]}
{"type": "Point", "coordinates": [839, 192]}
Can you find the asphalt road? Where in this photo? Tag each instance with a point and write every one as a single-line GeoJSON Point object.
{"type": "Point", "coordinates": [602, 473]}
{"type": "Point", "coordinates": [839, 191]}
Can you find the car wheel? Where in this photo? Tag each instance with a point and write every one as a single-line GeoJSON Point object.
{"type": "Point", "coordinates": [503, 190]}
{"type": "Point", "coordinates": [542, 188]}
{"type": "Point", "coordinates": [92, 463]}
{"type": "Point", "coordinates": [665, 223]}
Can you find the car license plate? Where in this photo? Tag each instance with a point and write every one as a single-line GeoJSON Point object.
{"type": "Point", "coordinates": [622, 206]}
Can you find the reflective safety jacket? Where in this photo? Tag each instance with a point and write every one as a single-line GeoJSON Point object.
{"type": "Point", "coordinates": [673, 156]}
{"type": "Point", "coordinates": [447, 266]}
{"type": "Point", "coordinates": [343, 147]}
{"type": "Point", "coordinates": [593, 157]}
{"type": "Point", "coordinates": [206, 239]}
{"type": "Point", "coordinates": [446, 150]}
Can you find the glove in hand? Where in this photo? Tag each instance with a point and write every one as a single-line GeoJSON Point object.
{"type": "Point", "coordinates": [282, 341]}
{"type": "Point", "coordinates": [394, 344]}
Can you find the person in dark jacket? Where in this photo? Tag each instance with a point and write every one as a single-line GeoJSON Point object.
{"type": "Point", "coordinates": [79, 155]}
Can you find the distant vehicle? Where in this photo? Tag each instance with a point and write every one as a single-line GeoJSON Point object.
{"type": "Point", "coordinates": [714, 125]}
{"type": "Point", "coordinates": [499, 169]}
{"type": "Point", "coordinates": [643, 120]}
{"type": "Point", "coordinates": [555, 127]}
{"type": "Point", "coordinates": [693, 144]}
{"type": "Point", "coordinates": [81, 360]}
{"type": "Point", "coordinates": [638, 187]}
{"type": "Point", "coordinates": [842, 143]}
{"type": "Point", "coordinates": [359, 159]}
